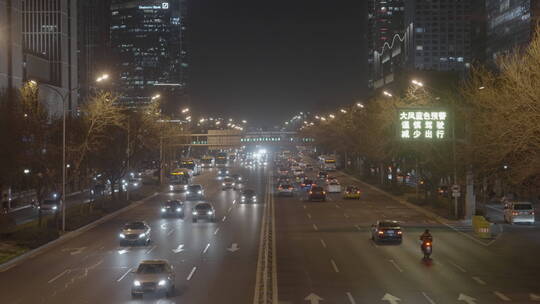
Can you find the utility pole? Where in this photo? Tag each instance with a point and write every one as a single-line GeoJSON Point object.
{"type": "Point", "coordinates": [454, 156]}
{"type": "Point", "coordinates": [128, 150]}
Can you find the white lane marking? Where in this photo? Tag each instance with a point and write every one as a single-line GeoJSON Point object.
{"type": "Point", "coordinates": [458, 267]}
{"type": "Point", "coordinates": [151, 248]}
{"type": "Point", "coordinates": [323, 243]}
{"type": "Point", "coordinates": [430, 300]}
{"type": "Point", "coordinates": [350, 297]}
{"type": "Point", "coordinates": [315, 227]}
{"type": "Point", "coordinates": [170, 232]}
{"type": "Point", "coordinates": [479, 281]}
{"type": "Point", "coordinates": [534, 297]}
{"type": "Point", "coordinates": [304, 206]}
{"type": "Point", "coordinates": [122, 251]}
{"type": "Point", "coordinates": [337, 206]}
{"type": "Point", "coordinates": [224, 218]}
{"type": "Point", "coordinates": [206, 248]}
{"type": "Point", "coordinates": [358, 227]}
{"type": "Point", "coordinates": [396, 265]}
{"type": "Point", "coordinates": [502, 296]}
{"type": "Point", "coordinates": [309, 215]}
{"type": "Point", "coordinates": [336, 269]}
{"type": "Point", "coordinates": [164, 226]}
{"type": "Point", "coordinates": [124, 275]}
{"type": "Point", "coordinates": [178, 249]}
{"type": "Point", "coordinates": [230, 208]}
{"type": "Point", "coordinates": [234, 201]}
{"type": "Point", "coordinates": [216, 231]}
{"type": "Point", "coordinates": [191, 273]}
{"type": "Point", "coordinates": [346, 215]}
{"type": "Point", "coordinates": [59, 276]}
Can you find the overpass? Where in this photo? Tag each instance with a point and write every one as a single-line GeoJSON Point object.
{"type": "Point", "coordinates": [220, 139]}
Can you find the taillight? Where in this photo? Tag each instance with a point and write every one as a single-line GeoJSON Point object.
{"type": "Point", "coordinates": [515, 213]}
{"type": "Point", "coordinates": [428, 244]}
{"type": "Point", "coordinates": [381, 232]}
{"type": "Point", "coordinates": [358, 192]}
{"type": "Point", "coordinates": [310, 192]}
{"type": "Point", "coordinates": [303, 185]}
{"type": "Point", "coordinates": [531, 212]}
{"type": "Point", "coordinates": [399, 232]}
{"type": "Point", "coordinates": [324, 192]}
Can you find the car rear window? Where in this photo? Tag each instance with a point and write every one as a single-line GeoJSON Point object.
{"type": "Point", "coordinates": [388, 224]}
{"type": "Point", "coordinates": [522, 206]}
{"type": "Point", "coordinates": [151, 268]}
{"type": "Point", "coordinates": [317, 189]}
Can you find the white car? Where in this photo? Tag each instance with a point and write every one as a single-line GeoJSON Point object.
{"type": "Point", "coordinates": [519, 212]}
{"type": "Point", "coordinates": [333, 187]}
{"type": "Point", "coordinates": [298, 172]}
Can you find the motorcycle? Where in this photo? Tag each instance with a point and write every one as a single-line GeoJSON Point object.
{"type": "Point", "coordinates": [427, 249]}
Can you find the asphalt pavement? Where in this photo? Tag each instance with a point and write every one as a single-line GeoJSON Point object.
{"type": "Point", "coordinates": [214, 262]}
{"type": "Point", "coordinates": [325, 255]}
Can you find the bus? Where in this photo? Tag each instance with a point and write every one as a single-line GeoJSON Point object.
{"type": "Point", "coordinates": [207, 162]}
{"type": "Point", "coordinates": [327, 162]}
{"type": "Point", "coordinates": [222, 160]}
{"type": "Point", "coordinates": [192, 165]}
{"type": "Point", "coordinates": [179, 179]}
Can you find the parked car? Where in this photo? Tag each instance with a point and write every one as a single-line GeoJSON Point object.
{"type": "Point", "coordinates": [52, 204]}
{"type": "Point", "coordinates": [519, 212]}
{"type": "Point", "coordinates": [386, 231]}
{"type": "Point", "coordinates": [153, 276]}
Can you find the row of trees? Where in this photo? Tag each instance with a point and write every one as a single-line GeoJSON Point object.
{"type": "Point", "coordinates": [497, 129]}
{"type": "Point", "coordinates": [96, 140]}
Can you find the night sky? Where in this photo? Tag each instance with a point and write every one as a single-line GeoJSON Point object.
{"type": "Point", "coordinates": [266, 60]}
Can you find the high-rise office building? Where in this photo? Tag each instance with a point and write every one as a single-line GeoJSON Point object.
{"type": "Point", "coordinates": [510, 24]}
{"type": "Point", "coordinates": [41, 41]}
{"type": "Point", "coordinates": [147, 37]}
{"type": "Point", "coordinates": [93, 42]}
{"type": "Point", "coordinates": [441, 39]}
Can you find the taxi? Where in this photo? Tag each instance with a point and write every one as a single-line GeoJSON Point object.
{"type": "Point", "coordinates": [351, 192]}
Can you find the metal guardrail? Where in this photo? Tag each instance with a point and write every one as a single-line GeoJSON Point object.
{"type": "Point", "coordinates": [266, 276]}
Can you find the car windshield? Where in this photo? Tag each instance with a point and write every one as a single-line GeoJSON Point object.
{"type": "Point", "coordinates": [203, 207]}
{"type": "Point", "coordinates": [522, 207]}
{"type": "Point", "coordinates": [50, 202]}
{"type": "Point", "coordinates": [249, 192]}
{"type": "Point", "coordinates": [194, 187]}
{"type": "Point", "coordinates": [228, 180]}
{"type": "Point", "coordinates": [151, 268]}
{"type": "Point", "coordinates": [135, 225]}
{"type": "Point", "coordinates": [171, 203]}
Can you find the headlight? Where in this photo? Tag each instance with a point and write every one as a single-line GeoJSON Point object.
{"type": "Point", "coordinates": [187, 192]}
{"type": "Point", "coordinates": [185, 187]}
{"type": "Point", "coordinates": [171, 187]}
{"type": "Point", "coordinates": [122, 236]}
{"type": "Point", "coordinates": [239, 178]}
{"type": "Point", "coordinates": [254, 198]}
{"type": "Point", "coordinates": [194, 212]}
{"type": "Point", "coordinates": [210, 212]}
{"type": "Point", "coordinates": [227, 172]}
{"type": "Point", "coordinates": [199, 192]}
{"type": "Point", "coordinates": [243, 197]}
{"type": "Point", "coordinates": [92, 192]}
{"type": "Point", "coordinates": [135, 184]}
{"type": "Point", "coordinates": [233, 184]}
{"type": "Point", "coordinates": [223, 184]}
{"type": "Point", "coordinates": [162, 283]}
{"type": "Point", "coordinates": [163, 209]}
{"type": "Point", "coordinates": [54, 207]}
{"type": "Point", "coordinates": [178, 209]}
{"type": "Point", "coordinates": [142, 235]}
{"type": "Point", "coordinates": [136, 283]}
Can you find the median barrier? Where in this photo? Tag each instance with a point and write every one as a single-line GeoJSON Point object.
{"type": "Point", "coordinates": [481, 227]}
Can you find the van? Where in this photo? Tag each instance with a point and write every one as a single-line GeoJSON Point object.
{"type": "Point", "coordinates": [519, 212]}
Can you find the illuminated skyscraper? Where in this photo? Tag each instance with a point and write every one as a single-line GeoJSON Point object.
{"type": "Point", "coordinates": [147, 37]}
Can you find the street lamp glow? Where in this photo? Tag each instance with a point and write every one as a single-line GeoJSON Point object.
{"type": "Point", "coordinates": [417, 83]}
{"type": "Point", "coordinates": [156, 96]}
{"type": "Point", "coordinates": [386, 93]}
{"type": "Point", "coordinates": [32, 82]}
{"type": "Point", "coordinates": [343, 111]}
{"type": "Point", "coordinates": [323, 119]}
{"type": "Point", "coordinates": [26, 171]}
{"type": "Point", "coordinates": [332, 116]}
{"type": "Point", "coordinates": [185, 110]}
{"type": "Point", "coordinates": [244, 121]}
{"type": "Point", "coordinates": [102, 77]}
{"type": "Point", "coordinates": [317, 117]}
{"type": "Point", "coordinates": [481, 88]}
{"type": "Point", "coordinates": [360, 105]}
{"type": "Point", "coordinates": [218, 123]}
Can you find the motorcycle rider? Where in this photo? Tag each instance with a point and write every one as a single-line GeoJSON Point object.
{"type": "Point", "coordinates": [426, 239]}
{"type": "Point", "coordinates": [426, 236]}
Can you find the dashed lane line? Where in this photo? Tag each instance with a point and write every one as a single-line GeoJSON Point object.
{"type": "Point", "coordinates": [315, 227]}
{"type": "Point", "coordinates": [350, 297]}
{"type": "Point", "coordinates": [458, 267]}
{"type": "Point", "coordinates": [430, 300]}
{"type": "Point", "coordinates": [170, 232]}
{"type": "Point", "coordinates": [124, 275]}
{"type": "Point", "coordinates": [479, 281]}
{"type": "Point", "coordinates": [206, 248]}
{"type": "Point", "coordinates": [151, 249]}
{"type": "Point", "coordinates": [323, 243]}
{"type": "Point", "coordinates": [358, 227]}
{"type": "Point", "coordinates": [396, 265]}
{"type": "Point", "coordinates": [191, 273]}
{"type": "Point", "coordinates": [59, 276]}
{"type": "Point", "coordinates": [224, 218]}
{"type": "Point", "coordinates": [336, 269]}
{"type": "Point", "coordinates": [502, 296]}
{"type": "Point", "coordinates": [309, 215]}
{"type": "Point", "coordinates": [216, 231]}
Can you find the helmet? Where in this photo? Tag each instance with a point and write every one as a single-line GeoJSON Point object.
{"type": "Point", "coordinates": [426, 231]}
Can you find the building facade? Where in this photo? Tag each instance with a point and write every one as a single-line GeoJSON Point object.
{"type": "Point", "coordinates": [41, 46]}
{"type": "Point", "coordinates": [441, 38]}
{"type": "Point", "coordinates": [510, 24]}
{"type": "Point", "coordinates": [147, 39]}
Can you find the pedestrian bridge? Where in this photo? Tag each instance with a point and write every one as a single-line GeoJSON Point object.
{"type": "Point", "coordinates": [234, 138]}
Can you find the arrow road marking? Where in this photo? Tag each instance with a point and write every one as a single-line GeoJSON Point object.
{"type": "Point", "coordinates": [313, 298]}
{"type": "Point", "coordinates": [124, 275]}
{"type": "Point", "coordinates": [396, 265]}
{"type": "Point", "coordinates": [391, 299]}
{"type": "Point", "coordinates": [191, 273]}
{"type": "Point", "coordinates": [234, 247]}
{"type": "Point", "coordinates": [206, 248]}
{"type": "Point", "coordinates": [178, 249]}
{"type": "Point", "coordinates": [59, 276]}
{"type": "Point", "coordinates": [350, 297]}
{"type": "Point", "coordinates": [502, 296]}
{"type": "Point", "coordinates": [534, 297]}
{"type": "Point", "coordinates": [467, 299]}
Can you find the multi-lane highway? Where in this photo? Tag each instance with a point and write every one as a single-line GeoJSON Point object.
{"type": "Point", "coordinates": [324, 255]}
{"type": "Point", "coordinates": [211, 260]}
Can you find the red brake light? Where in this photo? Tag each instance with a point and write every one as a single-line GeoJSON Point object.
{"type": "Point", "coordinates": [428, 244]}
{"type": "Point", "coordinates": [515, 213]}
{"type": "Point", "coordinates": [381, 232]}
{"type": "Point", "coordinates": [358, 192]}
{"type": "Point", "coordinates": [324, 192]}
{"type": "Point", "coordinates": [400, 232]}
{"type": "Point", "coordinates": [310, 192]}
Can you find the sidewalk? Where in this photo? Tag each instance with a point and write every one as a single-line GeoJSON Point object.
{"type": "Point", "coordinates": [30, 206]}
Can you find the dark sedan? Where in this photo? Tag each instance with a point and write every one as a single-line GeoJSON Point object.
{"type": "Point", "coordinates": [172, 208]}
{"type": "Point", "coordinates": [317, 194]}
{"type": "Point", "coordinates": [386, 231]}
